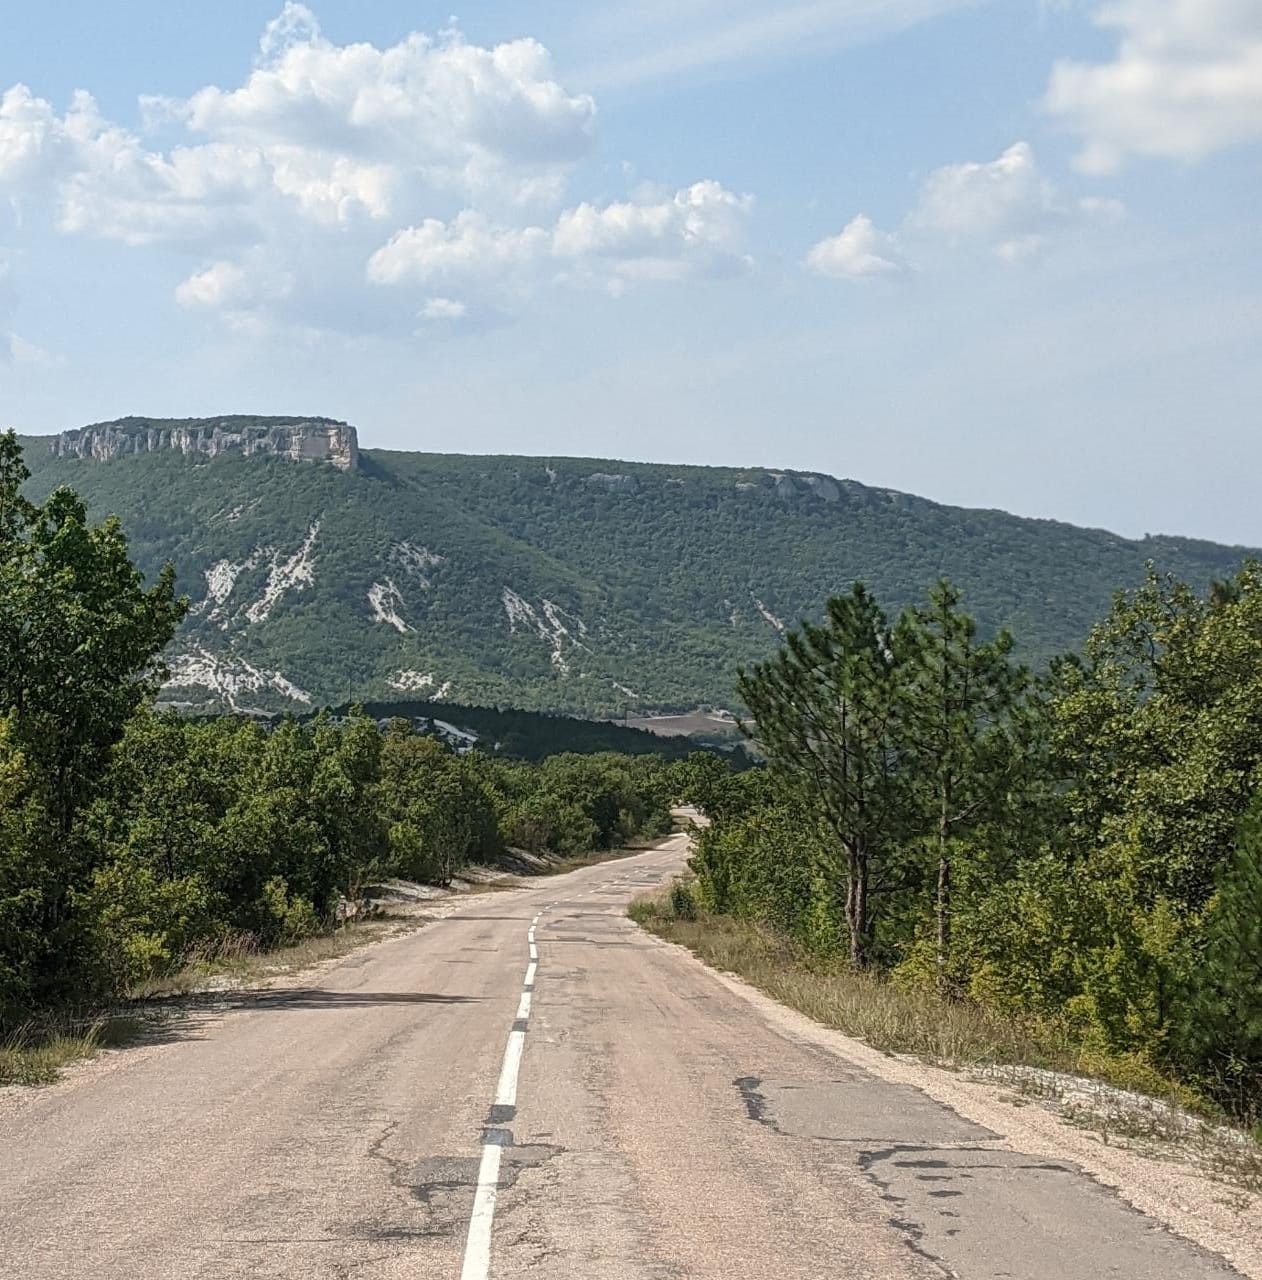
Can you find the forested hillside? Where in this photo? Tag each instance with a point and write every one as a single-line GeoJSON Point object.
{"type": "Point", "coordinates": [558, 584]}
{"type": "Point", "coordinates": [133, 841]}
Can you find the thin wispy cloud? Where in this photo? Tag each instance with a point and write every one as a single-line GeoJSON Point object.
{"type": "Point", "coordinates": [653, 42]}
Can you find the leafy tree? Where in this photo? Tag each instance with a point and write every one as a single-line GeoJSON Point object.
{"type": "Point", "coordinates": [1157, 735]}
{"type": "Point", "coordinates": [79, 643]}
{"type": "Point", "coordinates": [79, 634]}
{"type": "Point", "coordinates": [344, 797]}
{"type": "Point", "coordinates": [27, 871]}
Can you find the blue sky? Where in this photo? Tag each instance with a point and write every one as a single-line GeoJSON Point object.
{"type": "Point", "coordinates": [1001, 254]}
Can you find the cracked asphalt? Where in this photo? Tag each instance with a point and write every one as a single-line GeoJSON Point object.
{"type": "Point", "coordinates": [663, 1127]}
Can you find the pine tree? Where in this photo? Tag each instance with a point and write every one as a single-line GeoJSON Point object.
{"type": "Point", "coordinates": [963, 699]}
{"type": "Point", "coordinates": [827, 711]}
{"type": "Point", "coordinates": [1225, 1019]}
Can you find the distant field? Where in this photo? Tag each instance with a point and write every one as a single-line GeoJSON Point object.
{"type": "Point", "coordinates": [707, 724]}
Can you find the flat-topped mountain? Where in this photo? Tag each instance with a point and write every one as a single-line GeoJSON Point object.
{"type": "Point", "coordinates": [291, 439]}
{"type": "Point", "coordinates": [563, 584]}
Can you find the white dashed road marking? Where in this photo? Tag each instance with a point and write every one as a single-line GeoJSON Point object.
{"type": "Point", "coordinates": [477, 1252]}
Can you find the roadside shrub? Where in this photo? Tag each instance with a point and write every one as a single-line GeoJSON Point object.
{"type": "Point", "coordinates": [683, 902]}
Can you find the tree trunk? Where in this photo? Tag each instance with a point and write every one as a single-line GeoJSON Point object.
{"type": "Point", "coordinates": [857, 908]}
{"type": "Point", "coordinates": [943, 956]}
{"type": "Point", "coordinates": [850, 884]}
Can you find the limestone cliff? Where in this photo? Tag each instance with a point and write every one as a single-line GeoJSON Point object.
{"type": "Point", "coordinates": [293, 439]}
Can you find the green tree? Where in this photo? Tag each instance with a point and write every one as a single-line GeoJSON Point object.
{"type": "Point", "coordinates": [80, 637]}
{"type": "Point", "coordinates": [1157, 735]}
{"type": "Point", "coordinates": [1222, 1031]}
{"type": "Point", "coordinates": [971, 743]}
{"type": "Point", "coordinates": [79, 633]}
{"type": "Point", "coordinates": [828, 711]}
{"type": "Point", "coordinates": [346, 803]}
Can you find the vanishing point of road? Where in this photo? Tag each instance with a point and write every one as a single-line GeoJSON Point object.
{"type": "Point", "coordinates": [531, 1086]}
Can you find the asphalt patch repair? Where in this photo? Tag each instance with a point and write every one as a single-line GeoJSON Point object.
{"type": "Point", "coordinates": [961, 1199]}
{"type": "Point", "coordinates": [445, 1184]}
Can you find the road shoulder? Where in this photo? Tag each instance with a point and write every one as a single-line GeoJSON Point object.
{"type": "Point", "coordinates": [1220, 1219]}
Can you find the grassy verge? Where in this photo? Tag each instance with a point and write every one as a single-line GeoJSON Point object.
{"type": "Point", "coordinates": [37, 1053]}
{"type": "Point", "coordinates": [1030, 1057]}
{"type": "Point", "coordinates": [238, 961]}
{"type": "Point", "coordinates": [886, 1017]}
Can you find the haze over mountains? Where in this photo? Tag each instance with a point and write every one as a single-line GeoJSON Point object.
{"type": "Point", "coordinates": [319, 572]}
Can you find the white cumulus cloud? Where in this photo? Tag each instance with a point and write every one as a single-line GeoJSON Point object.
{"type": "Point", "coordinates": [329, 168]}
{"type": "Point", "coordinates": [470, 247]}
{"type": "Point", "coordinates": [1008, 204]}
{"type": "Point", "coordinates": [699, 231]}
{"type": "Point", "coordinates": [318, 131]}
{"type": "Point", "coordinates": [859, 250]}
{"type": "Point", "coordinates": [1007, 207]}
{"type": "Point", "coordinates": [1185, 81]}
{"type": "Point", "coordinates": [235, 287]}
{"type": "Point", "coordinates": [448, 110]}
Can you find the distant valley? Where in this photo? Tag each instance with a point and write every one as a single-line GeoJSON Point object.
{"type": "Point", "coordinates": [319, 572]}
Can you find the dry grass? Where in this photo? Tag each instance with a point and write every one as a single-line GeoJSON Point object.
{"type": "Point", "coordinates": [37, 1053]}
{"type": "Point", "coordinates": [237, 960]}
{"type": "Point", "coordinates": [1120, 1098]}
{"type": "Point", "coordinates": [884, 1016]}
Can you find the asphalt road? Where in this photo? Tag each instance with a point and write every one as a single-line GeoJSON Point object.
{"type": "Point", "coordinates": [437, 1106]}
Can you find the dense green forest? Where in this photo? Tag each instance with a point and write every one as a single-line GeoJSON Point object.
{"type": "Point", "coordinates": [557, 584]}
{"type": "Point", "coordinates": [1083, 850]}
{"type": "Point", "coordinates": [131, 839]}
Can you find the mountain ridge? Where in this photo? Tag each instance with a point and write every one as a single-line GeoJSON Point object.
{"type": "Point", "coordinates": [590, 586]}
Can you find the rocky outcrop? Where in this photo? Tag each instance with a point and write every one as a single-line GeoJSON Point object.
{"type": "Point", "coordinates": [784, 485]}
{"type": "Point", "coordinates": [823, 487]}
{"type": "Point", "coordinates": [612, 483]}
{"type": "Point", "coordinates": [294, 440]}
